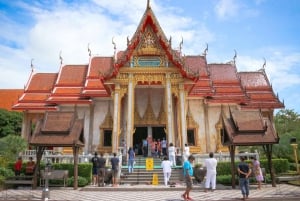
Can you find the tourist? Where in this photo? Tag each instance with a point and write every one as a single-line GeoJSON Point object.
{"type": "Point", "coordinates": [172, 154]}
{"type": "Point", "coordinates": [211, 172]}
{"type": "Point", "coordinates": [167, 169]}
{"type": "Point", "coordinates": [244, 173]}
{"type": "Point", "coordinates": [145, 147]}
{"type": "Point", "coordinates": [115, 169]}
{"type": "Point", "coordinates": [188, 174]}
{"type": "Point", "coordinates": [130, 159]}
{"type": "Point", "coordinates": [18, 166]}
{"type": "Point", "coordinates": [101, 173]}
{"type": "Point", "coordinates": [30, 166]}
{"type": "Point", "coordinates": [159, 148]}
{"type": "Point", "coordinates": [154, 148]}
{"type": "Point", "coordinates": [186, 152]}
{"type": "Point", "coordinates": [257, 172]}
{"type": "Point", "coordinates": [164, 147]}
{"type": "Point", "coordinates": [95, 162]}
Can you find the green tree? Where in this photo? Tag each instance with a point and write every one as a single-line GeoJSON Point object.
{"type": "Point", "coordinates": [10, 123]}
{"type": "Point", "coordinates": [10, 147]}
{"type": "Point", "coordinates": [287, 123]}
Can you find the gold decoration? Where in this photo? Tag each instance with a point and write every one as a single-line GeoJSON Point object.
{"type": "Point", "coordinates": [219, 127]}
{"type": "Point", "coordinates": [149, 43]}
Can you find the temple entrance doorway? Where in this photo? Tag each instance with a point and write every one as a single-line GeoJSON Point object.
{"type": "Point", "coordinates": [142, 133]}
{"type": "Point", "coordinates": [138, 136]}
{"type": "Point", "coordinates": [158, 133]}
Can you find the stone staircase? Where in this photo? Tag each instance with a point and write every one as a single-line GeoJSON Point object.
{"type": "Point", "coordinates": [142, 176]}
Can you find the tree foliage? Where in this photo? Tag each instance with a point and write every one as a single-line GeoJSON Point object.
{"type": "Point", "coordinates": [11, 146]}
{"type": "Point", "coordinates": [10, 123]}
{"type": "Point", "coordinates": [287, 123]}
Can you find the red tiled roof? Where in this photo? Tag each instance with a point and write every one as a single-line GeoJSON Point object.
{"type": "Point", "coordinates": [35, 94]}
{"type": "Point", "coordinates": [98, 67]}
{"type": "Point", "coordinates": [259, 91]}
{"type": "Point", "coordinates": [8, 97]}
{"type": "Point", "coordinates": [226, 84]}
{"type": "Point", "coordinates": [69, 85]}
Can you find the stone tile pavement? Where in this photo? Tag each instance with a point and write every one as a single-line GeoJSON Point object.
{"type": "Point", "coordinates": [154, 193]}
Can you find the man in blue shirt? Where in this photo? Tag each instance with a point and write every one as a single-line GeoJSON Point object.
{"type": "Point", "coordinates": [188, 174]}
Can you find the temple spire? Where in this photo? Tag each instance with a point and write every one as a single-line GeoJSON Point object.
{"type": "Point", "coordinates": [148, 4]}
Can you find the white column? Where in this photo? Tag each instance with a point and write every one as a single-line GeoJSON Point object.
{"type": "Point", "coordinates": [169, 110]}
{"type": "Point", "coordinates": [130, 112]}
{"type": "Point", "coordinates": [182, 115]}
{"type": "Point", "coordinates": [116, 118]}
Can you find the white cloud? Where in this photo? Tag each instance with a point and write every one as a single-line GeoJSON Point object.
{"type": "Point", "coordinates": [226, 9]}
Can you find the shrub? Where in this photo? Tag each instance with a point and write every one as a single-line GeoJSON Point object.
{"type": "Point", "coordinates": [81, 181]}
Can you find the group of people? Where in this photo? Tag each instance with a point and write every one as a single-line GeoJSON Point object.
{"type": "Point", "coordinates": [158, 148]}
{"type": "Point", "coordinates": [99, 169]}
{"type": "Point", "coordinates": [244, 171]}
{"type": "Point", "coordinates": [29, 169]}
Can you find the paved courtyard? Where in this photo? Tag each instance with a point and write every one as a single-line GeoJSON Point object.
{"type": "Point", "coordinates": [154, 193]}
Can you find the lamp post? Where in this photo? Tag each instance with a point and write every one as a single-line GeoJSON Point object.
{"type": "Point", "coordinates": [293, 143]}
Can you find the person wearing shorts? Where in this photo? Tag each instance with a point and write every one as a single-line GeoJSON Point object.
{"type": "Point", "coordinates": [115, 169]}
{"type": "Point", "coordinates": [188, 174]}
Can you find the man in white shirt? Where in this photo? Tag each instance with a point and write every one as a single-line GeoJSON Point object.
{"type": "Point", "coordinates": [211, 172]}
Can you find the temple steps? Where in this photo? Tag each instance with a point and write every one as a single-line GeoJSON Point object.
{"type": "Point", "coordinates": [142, 176]}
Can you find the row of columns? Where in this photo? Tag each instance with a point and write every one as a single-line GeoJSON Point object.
{"type": "Point", "coordinates": [130, 113]}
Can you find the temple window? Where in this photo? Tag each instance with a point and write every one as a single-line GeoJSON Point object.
{"type": "Point", "coordinates": [191, 137]}
{"type": "Point", "coordinates": [107, 138]}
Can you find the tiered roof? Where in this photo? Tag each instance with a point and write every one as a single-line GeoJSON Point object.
{"type": "Point", "coordinates": [216, 83]}
{"type": "Point", "coordinates": [248, 128]}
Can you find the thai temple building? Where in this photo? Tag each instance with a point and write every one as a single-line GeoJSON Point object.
{"type": "Point", "coordinates": [150, 91]}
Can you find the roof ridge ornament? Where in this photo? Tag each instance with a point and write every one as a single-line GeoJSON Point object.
{"type": "Point", "coordinates": [31, 65]}
{"type": "Point", "coordinates": [234, 57]}
{"type": "Point", "coordinates": [89, 50]}
{"type": "Point", "coordinates": [180, 45]}
{"type": "Point", "coordinates": [205, 51]}
{"type": "Point", "coordinates": [115, 48]}
{"type": "Point", "coordinates": [60, 58]}
{"type": "Point", "coordinates": [262, 69]}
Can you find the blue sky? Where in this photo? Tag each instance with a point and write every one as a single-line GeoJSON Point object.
{"type": "Point", "coordinates": [40, 31]}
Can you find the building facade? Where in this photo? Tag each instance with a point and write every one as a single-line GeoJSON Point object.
{"type": "Point", "coordinates": [148, 91]}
